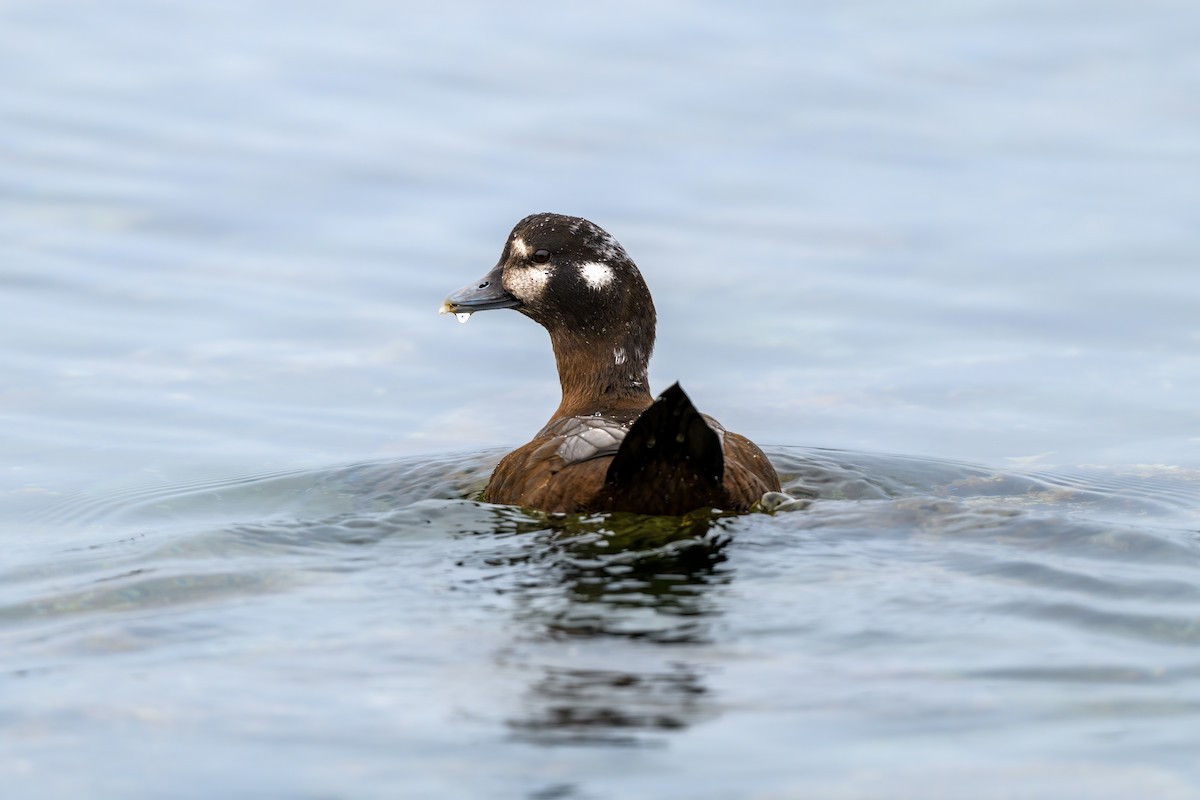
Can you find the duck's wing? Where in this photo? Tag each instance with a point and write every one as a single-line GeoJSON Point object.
{"type": "Point", "coordinates": [562, 469]}
{"type": "Point", "coordinates": [584, 438]}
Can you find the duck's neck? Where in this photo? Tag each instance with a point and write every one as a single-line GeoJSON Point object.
{"type": "Point", "coordinates": [602, 373]}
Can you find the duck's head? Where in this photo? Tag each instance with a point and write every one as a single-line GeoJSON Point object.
{"type": "Point", "coordinates": [566, 273]}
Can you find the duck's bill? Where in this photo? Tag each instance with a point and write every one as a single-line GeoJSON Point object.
{"type": "Point", "coordinates": [482, 295]}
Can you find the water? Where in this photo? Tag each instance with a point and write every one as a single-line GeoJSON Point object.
{"type": "Point", "coordinates": [939, 262]}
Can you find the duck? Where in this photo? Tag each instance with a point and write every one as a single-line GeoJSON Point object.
{"type": "Point", "coordinates": [610, 446]}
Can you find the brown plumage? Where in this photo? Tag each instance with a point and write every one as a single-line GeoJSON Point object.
{"type": "Point", "coordinates": [609, 446]}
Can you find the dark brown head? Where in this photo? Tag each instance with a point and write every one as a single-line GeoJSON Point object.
{"type": "Point", "coordinates": [576, 280]}
{"type": "Point", "coordinates": [564, 273]}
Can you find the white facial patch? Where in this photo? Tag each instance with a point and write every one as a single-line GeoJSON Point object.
{"type": "Point", "coordinates": [519, 247]}
{"type": "Point", "coordinates": [595, 274]}
{"type": "Point", "coordinates": [526, 283]}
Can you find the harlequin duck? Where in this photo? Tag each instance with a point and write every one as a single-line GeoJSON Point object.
{"type": "Point", "coordinates": [610, 446]}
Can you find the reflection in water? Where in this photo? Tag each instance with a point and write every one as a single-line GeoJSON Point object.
{"type": "Point", "coordinates": [585, 706]}
{"type": "Point", "coordinates": [630, 577]}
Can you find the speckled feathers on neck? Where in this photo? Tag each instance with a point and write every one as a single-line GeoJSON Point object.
{"type": "Point", "coordinates": [577, 281]}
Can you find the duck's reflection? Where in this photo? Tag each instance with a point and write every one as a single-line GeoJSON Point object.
{"type": "Point", "coordinates": [584, 706]}
{"type": "Point", "coordinates": [645, 584]}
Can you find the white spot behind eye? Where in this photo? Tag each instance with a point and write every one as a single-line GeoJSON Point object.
{"type": "Point", "coordinates": [619, 355]}
{"type": "Point", "coordinates": [519, 247]}
{"type": "Point", "coordinates": [597, 275]}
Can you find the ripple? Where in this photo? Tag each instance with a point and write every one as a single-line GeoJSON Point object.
{"type": "Point", "coordinates": [1116, 493]}
{"type": "Point", "coordinates": [1110, 587]}
{"type": "Point", "coordinates": [372, 485]}
{"type": "Point", "coordinates": [1091, 673]}
{"type": "Point", "coordinates": [141, 590]}
{"type": "Point", "coordinates": [1146, 490]}
{"type": "Point", "coordinates": [1159, 628]}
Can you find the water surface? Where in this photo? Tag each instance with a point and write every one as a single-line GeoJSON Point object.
{"type": "Point", "coordinates": [939, 261]}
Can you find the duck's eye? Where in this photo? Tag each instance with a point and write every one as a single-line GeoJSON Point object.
{"type": "Point", "coordinates": [540, 256]}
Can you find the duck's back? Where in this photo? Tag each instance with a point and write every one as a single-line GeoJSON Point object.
{"type": "Point", "coordinates": [669, 460]}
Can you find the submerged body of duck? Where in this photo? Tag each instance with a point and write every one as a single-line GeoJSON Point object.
{"type": "Point", "coordinates": [610, 446]}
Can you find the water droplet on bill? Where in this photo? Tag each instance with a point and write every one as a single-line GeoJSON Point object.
{"type": "Point", "coordinates": [463, 316]}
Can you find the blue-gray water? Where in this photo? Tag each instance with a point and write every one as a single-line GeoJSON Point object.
{"type": "Point", "coordinates": [940, 260]}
